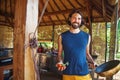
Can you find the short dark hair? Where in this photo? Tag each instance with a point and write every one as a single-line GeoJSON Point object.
{"type": "Point", "coordinates": [70, 15]}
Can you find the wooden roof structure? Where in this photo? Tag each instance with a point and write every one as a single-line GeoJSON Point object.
{"type": "Point", "coordinates": [57, 11]}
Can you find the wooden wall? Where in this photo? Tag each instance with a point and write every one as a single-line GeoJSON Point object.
{"type": "Point", "coordinates": [6, 37]}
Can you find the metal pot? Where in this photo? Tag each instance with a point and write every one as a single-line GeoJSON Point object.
{"type": "Point", "coordinates": [43, 60]}
{"type": "Point", "coordinates": [108, 69]}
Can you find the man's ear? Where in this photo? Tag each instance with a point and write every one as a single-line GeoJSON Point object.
{"type": "Point", "coordinates": [82, 22]}
{"type": "Point", "coordinates": [68, 21]}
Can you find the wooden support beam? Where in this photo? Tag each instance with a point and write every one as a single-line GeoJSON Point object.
{"type": "Point", "coordinates": [119, 9]}
{"type": "Point", "coordinates": [113, 37]}
{"type": "Point", "coordinates": [53, 34]}
{"type": "Point", "coordinates": [104, 8]}
{"type": "Point", "coordinates": [19, 40]}
{"type": "Point", "coordinates": [105, 13]}
{"type": "Point", "coordinates": [89, 14]}
{"type": "Point", "coordinates": [25, 23]}
{"type": "Point", "coordinates": [31, 67]}
{"type": "Point", "coordinates": [61, 12]}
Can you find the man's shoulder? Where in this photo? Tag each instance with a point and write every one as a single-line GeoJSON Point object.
{"type": "Point", "coordinates": [65, 32]}
{"type": "Point", "coordinates": [84, 32]}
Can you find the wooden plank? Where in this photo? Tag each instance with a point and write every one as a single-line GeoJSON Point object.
{"type": "Point", "coordinates": [89, 14]}
{"type": "Point", "coordinates": [113, 38]}
{"type": "Point", "coordinates": [19, 40]}
{"type": "Point", "coordinates": [31, 24]}
{"type": "Point", "coordinates": [104, 8]}
{"type": "Point", "coordinates": [119, 9]}
{"type": "Point", "coordinates": [25, 23]}
{"type": "Point", "coordinates": [62, 12]}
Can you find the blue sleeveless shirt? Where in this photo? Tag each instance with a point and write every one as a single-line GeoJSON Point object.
{"type": "Point", "coordinates": [74, 46]}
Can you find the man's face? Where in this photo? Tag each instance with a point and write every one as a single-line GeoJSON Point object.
{"type": "Point", "coordinates": [76, 20]}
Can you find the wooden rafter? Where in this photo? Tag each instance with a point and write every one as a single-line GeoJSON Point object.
{"type": "Point", "coordinates": [63, 4]}
{"type": "Point", "coordinates": [62, 12]}
{"type": "Point", "coordinates": [64, 7]}
{"type": "Point", "coordinates": [71, 4]}
{"type": "Point", "coordinates": [61, 8]}
{"type": "Point", "coordinates": [79, 3]}
{"type": "Point", "coordinates": [50, 16]}
{"type": "Point", "coordinates": [104, 8]}
{"type": "Point", "coordinates": [42, 5]}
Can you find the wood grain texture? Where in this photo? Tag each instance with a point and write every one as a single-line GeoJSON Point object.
{"type": "Point", "coordinates": [31, 24]}
{"type": "Point", "coordinates": [19, 40]}
{"type": "Point", "coordinates": [26, 18]}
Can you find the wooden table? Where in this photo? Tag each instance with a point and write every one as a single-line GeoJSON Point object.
{"type": "Point", "coordinates": [5, 66]}
{"type": "Point", "coordinates": [2, 68]}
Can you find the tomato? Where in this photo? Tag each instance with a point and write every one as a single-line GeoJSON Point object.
{"type": "Point", "coordinates": [59, 65]}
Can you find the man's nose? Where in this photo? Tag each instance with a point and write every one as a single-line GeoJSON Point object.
{"type": "Point", "coordinates": [76, 20]}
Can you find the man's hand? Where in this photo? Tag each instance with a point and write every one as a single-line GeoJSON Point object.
{"type": "Point", "coordinates": [61, 66]}
{"type": "Point", "coordinates": [91, 65]}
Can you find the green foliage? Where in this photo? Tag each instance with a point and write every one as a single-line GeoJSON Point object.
{"type": "Point", "coordinates": [118, 55]}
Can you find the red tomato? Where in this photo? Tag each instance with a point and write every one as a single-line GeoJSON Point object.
{"type": "Point", "coordinates": [59, 65]}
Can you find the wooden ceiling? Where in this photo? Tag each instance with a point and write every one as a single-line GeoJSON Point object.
{"type": "Point", "coordinates": [57, 11]}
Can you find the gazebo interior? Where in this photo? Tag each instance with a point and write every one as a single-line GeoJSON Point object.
{"type": "Point", "coordinates": [100, 18]}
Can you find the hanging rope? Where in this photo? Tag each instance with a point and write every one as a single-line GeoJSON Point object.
{"type": "Point", "coordinates": [33, 43]}
{"type": "Point", "coordinates": [42, 13]}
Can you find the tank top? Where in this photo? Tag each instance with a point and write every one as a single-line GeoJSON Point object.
{"type": "Point", "coordinates": [74, 47]}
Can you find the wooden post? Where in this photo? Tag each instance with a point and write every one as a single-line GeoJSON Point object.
{"type": "Point", "coordinates": [26, 19]}
{"type": "Point", "coordinates": [19, 40]}
{"type": "Point", "coordinates": [119, 9]}
{"type": "Point", "coordinates": [31, 24]}
{"type": "Point", "coordinates": [53, 32]}
{"type": "Point", "coordinates": [113, 37]}
{"type": "Point", "coordinates": [89, 13]}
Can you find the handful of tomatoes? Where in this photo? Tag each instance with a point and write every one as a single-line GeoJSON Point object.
{"type": "Point", "coordinates": [61, 66]}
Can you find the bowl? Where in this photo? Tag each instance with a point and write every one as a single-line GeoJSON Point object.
{"type": "Point", "coordinates": [108, 69]}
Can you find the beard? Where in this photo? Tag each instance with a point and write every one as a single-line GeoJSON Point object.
{"type": "Point", "coordinates": [75, 25]}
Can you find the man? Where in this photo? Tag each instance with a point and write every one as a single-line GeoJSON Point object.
{"type": "Point", "coordinates": [75, 44]}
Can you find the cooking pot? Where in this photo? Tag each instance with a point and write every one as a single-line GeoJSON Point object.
{"type": "Point", "coordinates": [108, 69]}
{"type": "Point", "coordinates": [43, 60]}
